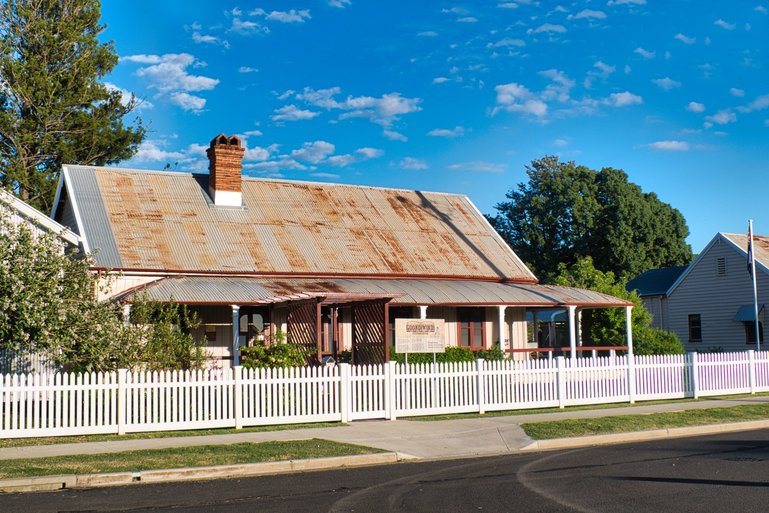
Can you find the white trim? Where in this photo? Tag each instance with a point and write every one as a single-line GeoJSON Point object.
{"type": "Point", "coordinates": [226, 198]}
{"type": "Point", "coordinates": [38, 218]}
{"type": "Point", "coordinates": [76, 210]}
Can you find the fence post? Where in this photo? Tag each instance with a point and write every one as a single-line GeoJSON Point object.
{"type": "Point", "coordinates": [122, 404]}
{"type": "Point", "coordinates": [560, 379]}
{"type": "Point", "coordinates": [238, 396]}
{"type": "Point", "coordinates": [752, 370]}
{"type": "Point", "coordinates": [694, 381]}
{"type": "Point", "coordinates": [391, 400]}
{"type": "Point", "coordinates": [344, 391]}
{"type": "Point", "coordinates": [631, 382]}
{"type": "Point", "coordinates": [480, 367]}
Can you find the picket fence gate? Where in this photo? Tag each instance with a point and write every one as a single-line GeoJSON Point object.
{"type": "Point", "coordinates": [55, 404]}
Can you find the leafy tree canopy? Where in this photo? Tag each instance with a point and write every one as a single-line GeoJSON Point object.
{"type": "Point", "coordinates": [606, 326]}
{"type": "Point", "coordinates": [566, 212]}
{"type": "Point", "coordinates": [53, 108]}
{"type": "Point", "coordinates": [48, 304]}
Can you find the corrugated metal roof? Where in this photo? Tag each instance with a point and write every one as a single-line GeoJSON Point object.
{"type": "Point", "coordinates": [244, 290]}
{"type": "Point", "coordinates": [655, 281]}
{"type": "Point", "coordinates": [165, 221]}
{"type": "Point", "coordinates": [760, 246]}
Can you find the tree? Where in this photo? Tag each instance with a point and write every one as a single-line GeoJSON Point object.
{"type": "Point", "coordinates": [48, 304]}
{"type": "Point", "coordinates": [607, 326]}
{"type": "Point", "coordinates": [53, 109]}
{"type": "Point", "coordinates": [566, 212]}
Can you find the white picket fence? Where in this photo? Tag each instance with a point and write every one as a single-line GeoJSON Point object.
{"type": "Point", "coordinates": [46, 404]}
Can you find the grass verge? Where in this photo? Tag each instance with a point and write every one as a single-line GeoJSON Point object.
{"type": "Point", "coordinates": [52, 440]}
{"type": "Point", "coordinates": [180, 457]}
{"type": "Point", "coordinates": [626, 423]}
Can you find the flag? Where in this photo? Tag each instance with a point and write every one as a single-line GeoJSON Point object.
{"type": "Point", "coordinates": [750, 249]}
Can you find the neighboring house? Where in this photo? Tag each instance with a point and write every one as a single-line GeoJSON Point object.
{"type": "Point", "coordinates": [330, 265]}
{"type": "Point", "coordinates": [710, 305]}
{"type": "Point", "coordinates": [652, 286]}
{"type": "Point", "coordinates": [20, 212]}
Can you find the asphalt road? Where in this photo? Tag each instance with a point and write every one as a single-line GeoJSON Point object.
{"type": "Point", "coordinates": [727, 473]}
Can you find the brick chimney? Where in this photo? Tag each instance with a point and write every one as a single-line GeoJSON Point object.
{"type": "Point", "coordinates": [225, 162]}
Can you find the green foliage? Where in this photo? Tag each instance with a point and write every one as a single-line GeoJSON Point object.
{"type": "Point", "coordinates": [166, 341]}
{"type": "Point", "coordinates": [606, 326]}
{"type": "Point", "coordinates": [278, 355]}
{"type": "Point", "coordinates": [566, 212]}
{"type": "Point", "coordinates": [53, 107]}
{"type": "Point", "coordinates": [48, 304]}
{"type": "Point", "coordinates": [452, 354]}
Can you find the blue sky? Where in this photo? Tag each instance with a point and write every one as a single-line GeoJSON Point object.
{"type": "Point", "coordinates": [461, 96]}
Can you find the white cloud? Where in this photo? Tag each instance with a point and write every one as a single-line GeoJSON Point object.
{"type": "Point", "coordinates": [560, 142]}
{"type": "Point", "coordinates": [394, 136]}
{"type": "Point", "coordinates": [724, 24]}
{"type": "Point", "coordinates": [412, 164]}
{"type": "Point", "coordinates": [440, 80]}
{"type": "Point", "coordinates": [739, 93]}
{"type": "Point", "coordinates": [428, 33]}
{"type": "Point", "coordinates": [331, 176]}
{"type": "Point", "coordinates": [272, 166]}
{"type": "Point", "coordinates": [313, 152]}
{"type": "Point", "coordinates": [760, 103]}
{"type": "Point", "coordinates": [247, 69]}
{"type": "Point", "coordinates": [151, 151]}
{"type": "Point", "coordinates": [626, 2]}
{"type": "Point", "coordinates": [646, 54]}
{"type": "Point", "coordinates": [251, 133]}
{"type": "Point", "coordinates": [670, 146]}
{"type": "Point", "coordinates": [507, 42]}
{"type": "Point", "coordinates": [201, 38]}
{"type": "Point", "coordinates": [169, 72]}
{"type": "Point", "coordinates": [457, 131]}
{"type": "Point", "coordinates": [369, 153]}
{"type": "Point", "coordinates": [508, 5]}
{"type": "Point", "coordinates": [623, 99]}
{"type": "Point", "coordinates": [604, 68]}
{"type": "Point", "coordinates": [762, 9]}
{"type": "Point", "coordinates": [561, 87]}
{"type": "Point", "coordinates": [340, 160]}
{"type": "Point", "coordinates": [666, 83]}
{"type": "Point", "coordinates": [188, 101]}
{"type": "Point", "coordinates": [383, 111]}
{"type": "Point", "coordinates": [293, 113]}
{"type": "Point", "coordinates": [339, 3]}
{"type": "Point", "coordinates": [247, 27]}
{"type": "Point", "coordinates": [588, 13]}
{"type": "Point", "coordinates": [514, 97]}
{"type": "Point", "coordinates": [695, 107]}
{"type": "Point", "coordinates": [685, 39]}
{"type": "Point", "coordinates": [478, 166]}
{"type": "Point", "coordinates": [547, 28]}
{"type": "Point", "coordinates": [468, 19]}
{"type": "Point", "coordinates": [292, 16]}
{"type": "Point", "coordinates": [722, 117]}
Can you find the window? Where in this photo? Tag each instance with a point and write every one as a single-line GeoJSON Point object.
{"type": "Point", "coordinates": [695, 328]}
{"type": "Point", "coordinates": [471, 327]}
{"type": "Point", "coordinates": [721, 265]}
{"type": "Point", "coordinates": [750, 331]}
{"type": "Point", "coordinates": [400, 312]}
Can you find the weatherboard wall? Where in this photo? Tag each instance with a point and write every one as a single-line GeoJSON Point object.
{"type": "Point", "coordinates": [716, 298]}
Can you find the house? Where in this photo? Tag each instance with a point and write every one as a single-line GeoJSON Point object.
{"type": "Point", "coordinates": [652, 287]}
{"type": "Point", "coordinates": [710, 303]}
{"type": "Point", "coordinates": [329, 265]}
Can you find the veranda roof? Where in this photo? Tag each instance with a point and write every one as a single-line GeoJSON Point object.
{"type": "Point", "coordinates": [253, 291]}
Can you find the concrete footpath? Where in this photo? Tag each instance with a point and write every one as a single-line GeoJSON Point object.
{"type": "Point", "coordinates": [402, 439]}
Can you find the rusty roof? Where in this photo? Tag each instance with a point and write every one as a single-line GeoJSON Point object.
{"type": "Point", "coordinates": [245, 291]}
{"type": "Point", "coordinates": [165, 221]}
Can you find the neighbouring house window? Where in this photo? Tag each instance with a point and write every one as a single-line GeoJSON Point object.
{"type": "Point", "coordinates": [721, 266]}
{"type": "Point", "coordinates": [471, 327]}
{"type": "Point", "coordinates": [750, 331]}
{"type": "Point", "coordinates": [695, 328]}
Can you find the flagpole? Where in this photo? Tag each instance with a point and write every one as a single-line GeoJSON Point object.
{"type": "Point", "coordinates": [755, 289]}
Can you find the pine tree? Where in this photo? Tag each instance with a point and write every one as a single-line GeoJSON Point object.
{"type": "Point", "coordinates": [53, 107]}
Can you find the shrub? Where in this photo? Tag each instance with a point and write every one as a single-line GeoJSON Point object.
{"type": "Point", "coordinates": [656, 341]}
{"type": "Point", "coordinates": [279, 355]}
{"type": "Point", "coordinates": [452, 354]}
